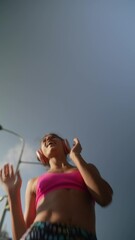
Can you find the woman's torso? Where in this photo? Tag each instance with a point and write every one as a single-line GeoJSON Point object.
{"type": "Point", "coordinates": [69, 206]}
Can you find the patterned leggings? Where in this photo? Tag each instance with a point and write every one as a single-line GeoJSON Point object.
{"type": "Point", "coordinates": [56, 231]}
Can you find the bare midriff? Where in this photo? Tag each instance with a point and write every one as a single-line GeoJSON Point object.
{"type": "Point", "coordinates": [68, 206]}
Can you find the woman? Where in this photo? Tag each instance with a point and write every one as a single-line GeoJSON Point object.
{"type": "Point", "coordinates": [59, 204]}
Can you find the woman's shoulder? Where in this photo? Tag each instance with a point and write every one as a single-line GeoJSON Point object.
{"type": "Point", "coordinates": [31, 185]}
{"type": "Point", "coordinates": [32, 180]}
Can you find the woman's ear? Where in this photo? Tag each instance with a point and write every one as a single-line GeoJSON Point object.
{"type": "Point", "coordinates": [66, 146]}
{"type": "Point", "coordinates": [41, 157]}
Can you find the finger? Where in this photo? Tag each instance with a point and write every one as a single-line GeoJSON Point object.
{"type": "Point", "coordinates": [77, 144]}
{"type": "Point", "coordinates": [75, 141]}
{"type": "Point", "coordinates": [11, 170]}
{"type": "Point", "coordinates": [0, 174]}
{"type": "Point", "coordinates": [6, 169]}
{"type": "Point", "coordinates": [18, 175]}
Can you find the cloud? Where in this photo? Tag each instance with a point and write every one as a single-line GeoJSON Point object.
{"type": "Point", "coordinates": [13, 154]}
{"type": "Point", "coordinates": [29, 153]}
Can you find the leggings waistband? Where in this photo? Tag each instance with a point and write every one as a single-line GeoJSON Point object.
{"type": "Point", "coordinates": [57, 231]}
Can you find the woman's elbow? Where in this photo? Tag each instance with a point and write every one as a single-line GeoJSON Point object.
{"type": "Point", "coordinates": [106, 200]}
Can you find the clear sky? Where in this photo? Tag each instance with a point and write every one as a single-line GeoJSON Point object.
{"type": "Point", "coordinates": [69, 67]}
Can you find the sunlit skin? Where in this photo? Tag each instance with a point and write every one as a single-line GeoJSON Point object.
{"type": "Point", "coordinates": [70, 206]}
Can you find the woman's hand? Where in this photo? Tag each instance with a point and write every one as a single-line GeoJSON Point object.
{"type": "Point", "coordinates": [11, 182]}
{"type": "Point", "coordinates": [76, 148]}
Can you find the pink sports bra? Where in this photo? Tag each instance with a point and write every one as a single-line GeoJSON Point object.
{"type": "Point", "coordinates": [48, 182]}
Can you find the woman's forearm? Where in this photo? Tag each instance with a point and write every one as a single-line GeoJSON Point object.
{"type": "Point", "coordinates": [100, 190]}
{"type": "Point", "coordinates": [17, 219]}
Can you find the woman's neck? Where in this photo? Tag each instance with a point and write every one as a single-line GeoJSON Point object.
{"type": "Point", "coordinates": [59, 165]}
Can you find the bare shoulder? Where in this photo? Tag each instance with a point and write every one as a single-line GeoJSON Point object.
{"type": "Point", "coordinates": [31, 185]}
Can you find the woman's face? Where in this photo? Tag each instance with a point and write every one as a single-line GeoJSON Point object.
{"type": "Point", "coordinates": [51, 144]}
